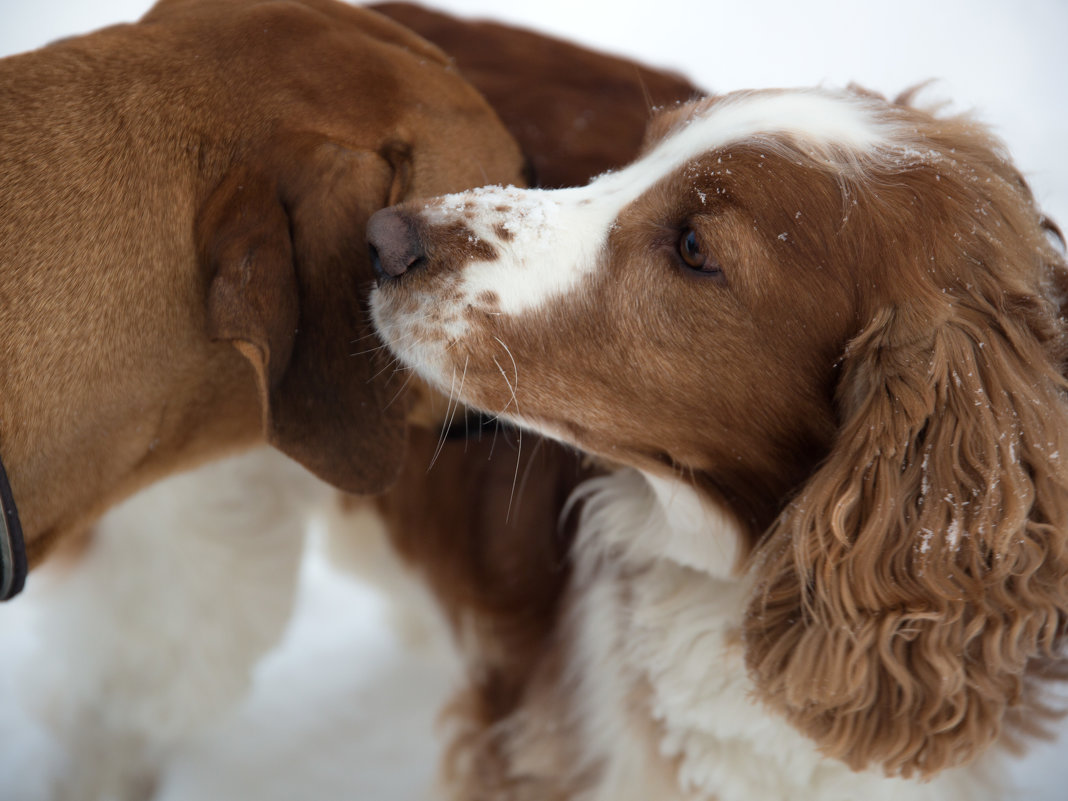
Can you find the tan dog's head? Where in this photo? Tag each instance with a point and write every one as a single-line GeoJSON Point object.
{"type": "Point", "coordinates": [188, 197]}
{"type": "Point", "coordinates": [354, 114]}
{"type": "Point", "coordinates": [840, 321]}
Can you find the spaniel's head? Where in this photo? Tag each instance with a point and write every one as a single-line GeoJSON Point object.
{"type": "Point", "coordinates": [840, 319]}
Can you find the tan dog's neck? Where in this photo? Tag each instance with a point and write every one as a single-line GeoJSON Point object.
{"type": "Point", "coordinates": [107, 373]}
{"type": "Point", "coordinates": [109, 377]}
{"type": "Point", "coordinates": [94, 407]}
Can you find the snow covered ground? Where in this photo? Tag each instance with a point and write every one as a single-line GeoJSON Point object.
{"type": "Point", "coordinates": [341, 710]}
{"type": "Point", "coordinates": [342, 703]}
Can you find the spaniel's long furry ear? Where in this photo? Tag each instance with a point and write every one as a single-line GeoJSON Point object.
{"type": "Point", "coordinates": [903, 594]}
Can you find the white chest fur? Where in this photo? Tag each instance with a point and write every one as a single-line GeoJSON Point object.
{"type": "Point", "coordinates": [666, 704]}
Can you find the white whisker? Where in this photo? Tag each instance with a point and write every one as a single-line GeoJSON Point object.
{"type": "Point", "coordinates": [511, 386]}
{"type": "Point", "coordinates": [515, 400]}
{"type": "Point", "coordinates": [404, 386]}
{"type": "Point", "coordinates": [450, 411]}
{"type": "Point", "coordinates": [445, 425]}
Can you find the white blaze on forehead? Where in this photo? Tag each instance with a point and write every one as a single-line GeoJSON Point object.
{"type": "Point", "coordinates": [554, 236]}
{"type": "Point", "coordinates": [813, 117]}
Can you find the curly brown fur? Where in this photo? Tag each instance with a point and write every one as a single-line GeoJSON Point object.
{"type": "Point", "coordinates": [923, 568]}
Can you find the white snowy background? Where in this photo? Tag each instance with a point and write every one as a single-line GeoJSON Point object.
{"type": "Point", "coordinates": [341, 698]}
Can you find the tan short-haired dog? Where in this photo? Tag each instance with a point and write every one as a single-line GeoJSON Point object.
{"type": "Point", "coordinates": [194, 182]}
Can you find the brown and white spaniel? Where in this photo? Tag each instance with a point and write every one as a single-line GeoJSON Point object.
{"type": "Point", "coordinates": [822, 336]}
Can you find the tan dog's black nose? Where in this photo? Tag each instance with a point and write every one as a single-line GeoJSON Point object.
{"type": "Point", "coordinates": [393, 243]}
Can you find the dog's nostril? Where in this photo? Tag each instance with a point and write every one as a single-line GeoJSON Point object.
{"type": "Point", "coordinates": [393, 244]}
{"type": "Point", "coordinates": [376, 262]}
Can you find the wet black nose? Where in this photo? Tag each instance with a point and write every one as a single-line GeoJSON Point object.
{"type": "Point", "coordinates": [393, 243]}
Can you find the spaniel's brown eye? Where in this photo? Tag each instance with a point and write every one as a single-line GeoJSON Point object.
{"type": "Point", "coordinates": [691, 255]}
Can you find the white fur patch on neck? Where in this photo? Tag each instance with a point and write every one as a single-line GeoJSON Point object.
{"type": "Point", "coordinates": [647, 519]}
{"type": "Point", "coordinates": [699, 534]}
{"type": "Point", "coordinates": [664, 702]}
{"type": "Point", "coordinates": [553, 238]}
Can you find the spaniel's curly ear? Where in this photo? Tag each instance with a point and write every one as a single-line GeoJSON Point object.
{"type": "Point", "coordinates": [925, 564]}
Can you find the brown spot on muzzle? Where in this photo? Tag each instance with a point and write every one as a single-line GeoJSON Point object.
{"type": "Point", "coordinates": [452, 245]}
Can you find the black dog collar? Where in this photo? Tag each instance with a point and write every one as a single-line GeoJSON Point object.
{"type": "Point", "coordinates": [12, 545]}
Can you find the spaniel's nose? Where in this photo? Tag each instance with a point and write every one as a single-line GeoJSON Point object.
{"type": "Point", "coordinates": [393, 243]}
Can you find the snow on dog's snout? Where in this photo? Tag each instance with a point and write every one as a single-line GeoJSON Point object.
{"type": "Point", "coordinates": [490, 253]}
{"type": "Point", "coordinates": [545, 242]}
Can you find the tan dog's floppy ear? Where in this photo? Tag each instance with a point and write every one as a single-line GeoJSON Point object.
{"type": "Point", "coordinates": [925, 564]}
{"type": "Point", "coordinates": [290, 277]}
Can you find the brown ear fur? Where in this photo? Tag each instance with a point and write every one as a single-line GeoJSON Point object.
{"type": "Point", "coordinates": [923, 567]}
{"type": "Point", "coordinates": [285, 246]}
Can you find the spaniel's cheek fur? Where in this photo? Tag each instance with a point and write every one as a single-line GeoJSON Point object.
{"type": "Point", "coordinates": [852, 432]}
